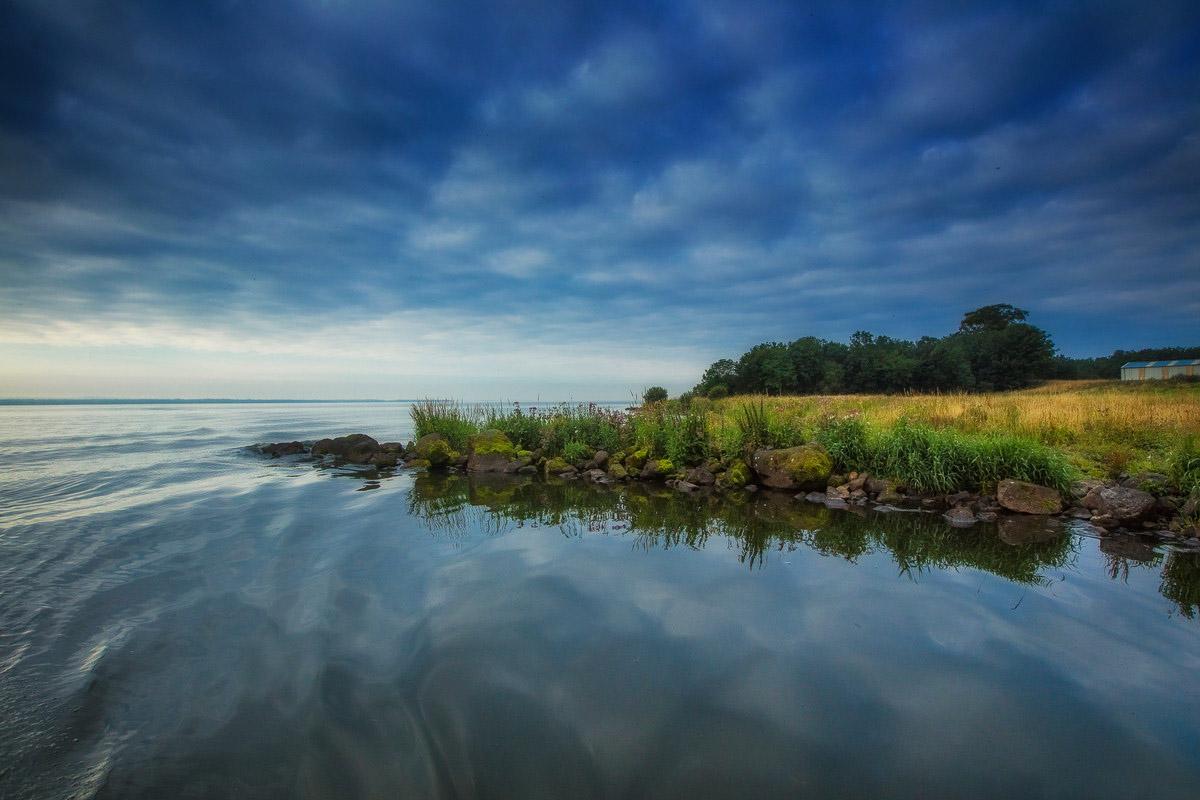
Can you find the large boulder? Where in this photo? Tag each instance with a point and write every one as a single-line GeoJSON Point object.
{"type": "Point", "coordinates": [1122, 503]}
{"type": "Point", "coordinates": [357, 448]}
{"type": "Point", "coordinates": [435, 450]}
{"type": "Point", "coordinates": [490, 451]}
{"type": "Point", "coordinates": [805, 467]}
{"type": "Point", "coordinates": [1028, 498]}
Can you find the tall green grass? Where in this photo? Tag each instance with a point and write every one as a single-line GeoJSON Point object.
{"type": "Point", "coordinates": [943, 460]}
{"type": "Point", "coordinates": [453, 420]}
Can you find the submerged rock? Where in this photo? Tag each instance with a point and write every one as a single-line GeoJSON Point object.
{"type": "Point", "coordinates": [277, 449]}
{"type": "Point", "coordinates": [960, 517]}
{"type": "Point", "coordinates": [1028, 498]}
{"type": "Point", "coordinates": [805, 467]}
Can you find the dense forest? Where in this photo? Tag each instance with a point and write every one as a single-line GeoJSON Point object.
{"type": "Point", "coordinates": [994, 349]}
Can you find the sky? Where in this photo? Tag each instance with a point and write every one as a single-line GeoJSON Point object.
{"type": "Point", "coordinates": [576, 200]}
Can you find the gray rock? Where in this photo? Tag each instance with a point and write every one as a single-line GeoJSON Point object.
{"type": "Point", "coordinates": [813, 497]}
{"type": "Point", "coordinates": [700, 476]}
{"type": "Point", "coordinates": [1080, 489]}
{"type": "Point", "coordinates": [1028, 498]}
{"type": "Point", "coordinates": [1119, 502]}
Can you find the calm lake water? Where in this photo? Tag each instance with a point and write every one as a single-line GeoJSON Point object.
{"type": "Point", "coordinates": [181, 619]}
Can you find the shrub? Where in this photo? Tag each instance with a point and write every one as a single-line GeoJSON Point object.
{"type": "Point", "coordinates": [718, 391]}
{"type": "Point", "coordinates": [575, 451]}
{"type": "Point", "coordinates": [655, 394]}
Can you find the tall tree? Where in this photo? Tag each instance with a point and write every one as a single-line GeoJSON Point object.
{"type": "Point", "coordinates": [992, 318]}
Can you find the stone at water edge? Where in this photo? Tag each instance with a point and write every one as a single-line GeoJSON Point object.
{"type": "Point", "coordinates": [657, 468]}
{"type": "Point", "coordinates": [277, 449]}
{"type": "Point", "coordinates": [805, 467]}
{"type": "Point", "coordinates": [700, 476]}
{"type": "Point", "coordinates": [490, 451]}
{"type": "Point", "coordinates": [1028, 498]}
{"type": "Point", "coordinates": [1119, 502]}
{"type": "Point", "coordinates": [434, 449]}
{"type": "Point", "coordinates": [357, 448]}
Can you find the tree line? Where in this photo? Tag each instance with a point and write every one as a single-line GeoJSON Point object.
{"type": "Point", "coordinates": [994, 349]}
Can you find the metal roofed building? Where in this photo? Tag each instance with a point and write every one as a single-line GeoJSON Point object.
{"type": "Point", "coordinates": [1157, 370]}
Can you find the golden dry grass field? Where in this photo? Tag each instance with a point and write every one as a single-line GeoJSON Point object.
{"type": "Point", "coordinates": [1106, 427]}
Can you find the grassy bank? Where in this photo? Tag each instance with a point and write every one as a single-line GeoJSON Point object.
{"type": "Point", "coordinates": [1050, 435]}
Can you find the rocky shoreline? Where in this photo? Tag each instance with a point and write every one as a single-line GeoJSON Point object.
{"type": "Point", "coordinates": [1142, 504]}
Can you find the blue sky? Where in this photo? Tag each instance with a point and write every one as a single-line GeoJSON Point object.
{"type": "Point", "coordinates": [375, 199]}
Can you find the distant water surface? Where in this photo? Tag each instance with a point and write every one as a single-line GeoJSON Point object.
{"type": "Point", "coordinates": [179, 618]}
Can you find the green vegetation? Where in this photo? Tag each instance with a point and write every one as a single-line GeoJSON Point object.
{"type": "Point", "coordinates": [930, 443]}
{"type": "Point", "coordinates": [994, 349]}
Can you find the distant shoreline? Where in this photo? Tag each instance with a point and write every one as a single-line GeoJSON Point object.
{"type": "Point", "coordinates": [155, 401]}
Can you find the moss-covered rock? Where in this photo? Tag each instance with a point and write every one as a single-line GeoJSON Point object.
{"type": "Point", "coordinates": [492, 441]}
{"type": "Point", "coordinates": [490, 451]}
{"type": "Point", "coordinates": [436, 450]}
{"type": "Point", "coordinates": [636, 460]}
{"type": "Point", "coordinates": [1028, 498]}
{"type": "Point", "coordinates": [737, 476]}
{"type": "Point", "coordinates": [805, 467]}
{"type": "Point", "coordinates": [655, 469]}
{"type": "Point", "coordinates": [617, 472]}
{"type": "Point", "coordinates": [557, 466]}
{"type": "Point", "coordinates": [418, 463]}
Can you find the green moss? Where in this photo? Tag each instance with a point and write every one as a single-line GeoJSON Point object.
{"type": "Point", "coordinates": [617, 472]}
{"type": "Point", "coordinates": [419, 463]}
{"type": "Point", "coordinates": [636, 460]}
{"type": "Point", "coordinates": [809, 465]}
{"type": "Point", "coordinates": [492, 442]}
{"type": "Point", "coordinates": [737, 476]}
{"type": "Point", "coordinates": [525, 454]}
{"type": "Point", "coordinates": [557, 465]}
{"type": "Point", "coordinates": [437, 452]}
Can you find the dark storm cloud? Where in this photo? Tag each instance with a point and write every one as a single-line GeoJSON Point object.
{"type": "Point", "coordinates": [711, 173]}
